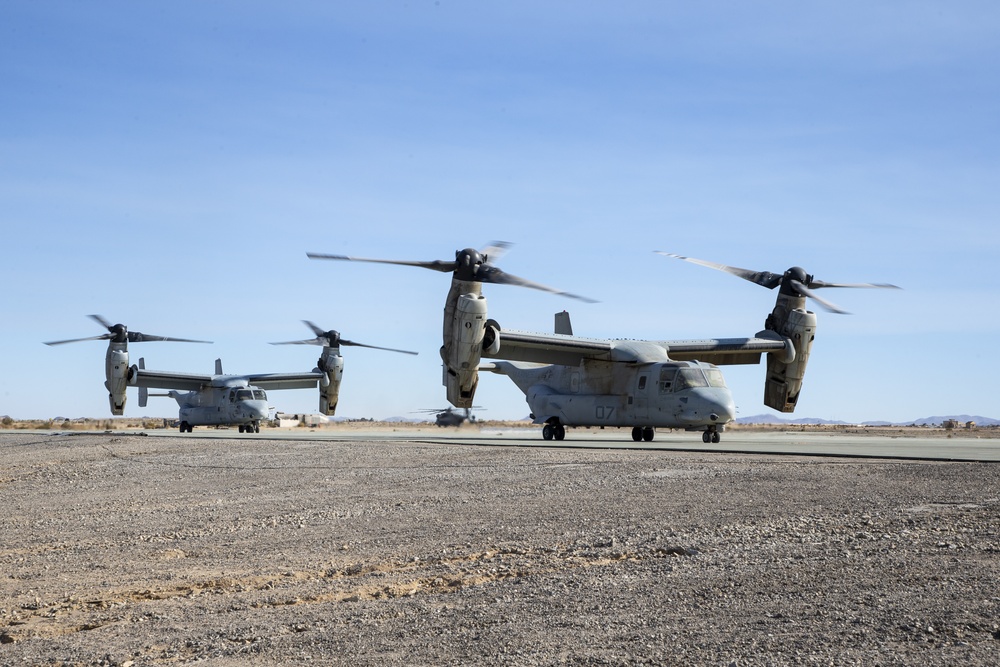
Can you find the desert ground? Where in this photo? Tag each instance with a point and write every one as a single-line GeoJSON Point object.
{"type": "Point", "coordinates": [127, 548]}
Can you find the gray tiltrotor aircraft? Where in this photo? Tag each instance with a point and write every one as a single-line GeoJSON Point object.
{"type": "Point", "coordinates": [217, 399]}
{"type": "Point", "coordinates": [573, 381]}
{"type": "Point", "coordinates": [465, 323]}
{"type": "Point", "coordinates": [451, 417]}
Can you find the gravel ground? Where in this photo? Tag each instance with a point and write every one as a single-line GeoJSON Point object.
{"type": "Point", "coordinates": [131, 550]}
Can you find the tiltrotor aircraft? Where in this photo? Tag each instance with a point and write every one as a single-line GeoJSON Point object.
{"type": "Point", "coordinates": [218, 399]}
{"type": "Point", "coordinates": [465, 323]}
{"type": "Point", "coordinates": [451, 417]}
{"type": "Point", "coordinates": [574, 381]}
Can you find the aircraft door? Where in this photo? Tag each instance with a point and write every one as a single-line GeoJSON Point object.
{"type": "Point", "coordinates": [640, 401]}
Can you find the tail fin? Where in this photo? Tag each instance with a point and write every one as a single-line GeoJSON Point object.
{"type": "Point", "coordinates": [143, 391]}
{"type": "Point", "coordinates": [563, 325]}
{"type": "Point", "coordinates": [218, 366]}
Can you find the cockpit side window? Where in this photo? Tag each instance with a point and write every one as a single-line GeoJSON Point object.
{"type": "Point", "coordinates": [667, 380]}
{"type": "Point", "coordinates": [232, 395]}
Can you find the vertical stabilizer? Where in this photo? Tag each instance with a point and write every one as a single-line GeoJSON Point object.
{"type": "Point", "coordinates": [563, 325]}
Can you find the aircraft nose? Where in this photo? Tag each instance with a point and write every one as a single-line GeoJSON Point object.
{"type": "Point", "coordinates": [724, 410]}
{"type": "Point", "coordinates": [255, 409]}
{"type": "Point", "coordinates": [712, 405]}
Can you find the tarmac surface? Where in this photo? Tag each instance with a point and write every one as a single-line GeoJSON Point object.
{"type": "Point", "coordinates": [903, 443]}
{"type": "Point", "coordinates": [424, 546]}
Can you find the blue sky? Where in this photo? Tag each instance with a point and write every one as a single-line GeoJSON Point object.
{"type": "Point", "coordinates": [168, 165]}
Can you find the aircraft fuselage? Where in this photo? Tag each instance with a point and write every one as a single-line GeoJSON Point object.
{"type": "Point", "coordinates": [236, 404]}
{"type": "Point", "coordinates": [664, 394]}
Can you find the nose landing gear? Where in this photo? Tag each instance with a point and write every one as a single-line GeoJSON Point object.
{"type": "Point", "coordinates": [550, 431]}
{"type": "Point", "coordinates": [711, 434]}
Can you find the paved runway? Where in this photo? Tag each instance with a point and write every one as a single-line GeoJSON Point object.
{"type": "Point", "coordinates": [907, 445]}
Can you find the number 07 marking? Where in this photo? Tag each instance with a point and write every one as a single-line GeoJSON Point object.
{"type": "Point", "coordinates": [604, 411]}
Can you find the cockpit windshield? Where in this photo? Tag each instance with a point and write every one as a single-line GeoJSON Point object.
{"type": "Point", "coordinates": [689, 378]}
{"type": "Point", "coordinates": [259, 395]}
{"type": "Point", "coordinates": [244, 395]}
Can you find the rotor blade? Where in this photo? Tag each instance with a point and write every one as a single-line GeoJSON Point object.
{"type": "Point", "coordinates": [495, 250]}
{"type": "Point", "coordinates": [490, 274]}
{"type": "Point", "coordinates": [315, 329]}
{"type": "Point", "coordinates": [762, 278]}
{"type": "Point", "coordinates": [106, 336]}
{"type": "Point", "coordinates": [100, 320]}
{"type": "Point", "coordinates": [311, 341]}
{"type": "Point", "coordinates": [816, 284]}
{"type": "Point", "coordinates": [138, 337]}
{"type": "Point", "coordinates": [436, 265]}
{"type": "Point", "coordinates": [374, 347]}
{"type": "Point", "coordinates": [812, 295]}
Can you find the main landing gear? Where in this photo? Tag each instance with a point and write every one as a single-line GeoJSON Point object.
{"type": "Point", "coordinates": [640, 433]}
{"type": "Point", "coordinates": [710, 435]}
{"type": "Point", "coordinates": [550, 431]}
{"type": "Point", "coordinates": [186, 427]}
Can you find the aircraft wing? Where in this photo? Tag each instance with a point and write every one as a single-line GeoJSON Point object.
{"type": "Point", "coordinates": [545, 348]}
{"type": "Point", "coordinates": [567, 350]}
{"type": "Point", "coordinates": [726, 351]}
{"type": "Point", "coordinates": [270, 381]}
{"type": "Point", "coordinates": [169, 379]}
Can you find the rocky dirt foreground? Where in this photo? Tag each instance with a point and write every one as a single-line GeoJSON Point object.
{"type": "Point", "coordinates": [131, 550]}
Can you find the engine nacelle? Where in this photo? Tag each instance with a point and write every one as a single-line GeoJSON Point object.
{"type": "Point", "coordinates": [462, 352]}
{"type": "Point", "coordinates": [331, 364]}
{"type": "Point", "coordinates": [784, 379]}
{"type": "Point", "coordinates": [116, 371]}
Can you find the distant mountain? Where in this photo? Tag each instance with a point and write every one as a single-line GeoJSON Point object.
{"type": "Point", "coordinates": [926, 421]}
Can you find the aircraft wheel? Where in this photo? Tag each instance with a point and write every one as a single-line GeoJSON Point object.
{"type": "Point", "coordinates": [716, 437]}
{"type": "Point", "coordinates": [647, 434]}
{"type": "Point", "coordinates": [559, 431]}
{"type": "Point", "coordinates": [256, 428]}
{"type": "Point", "coordinates": [636, 433]}
{"type": "Point", "coordinates": [242, 428]}
{"type": "Point", "coordinates": [184, 427]}
{"type": "Point", "coordinates": [706, 437]}
{"type": "Point", "coordinates": [547, 432]}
